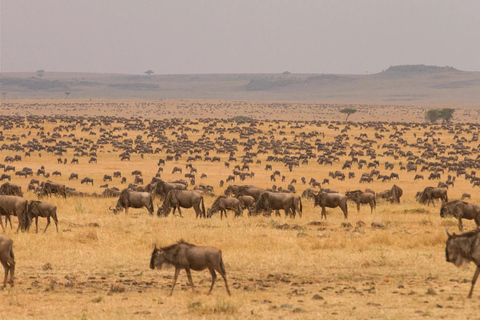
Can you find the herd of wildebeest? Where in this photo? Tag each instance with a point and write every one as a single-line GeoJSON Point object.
{"type": "Point", "coordinates": [237, 145]}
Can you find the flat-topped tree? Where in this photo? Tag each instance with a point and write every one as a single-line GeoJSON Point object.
{"type": "Point", "coordinates": [149, 72]}
{"type": "Point", "coordinates": [348, 111]}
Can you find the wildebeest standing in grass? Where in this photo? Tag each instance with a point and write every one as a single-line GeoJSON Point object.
{"type": "Point", "coordinates": [331, 200]}
{"type": "Point", "coordinates": [7, 258]}
{"type": "Point", "coordinates": [461, 209]}
{"type": "Point", "coordinates": [429, 194]}
{"type": "Point", "coordinates": [162, 188]}
{"type": "Point", "coordinates": [462, 249]}
{"type": "Point", "coordinates": [10, 189]}
{"type": "Point", "coordinates": [134, 199]}
{"type": "Point", "coordinates": [42, 209]}
{"type": "Point", "coordinates": [287, 202]}
{"type": "Point", "coordinates": [177, 199]}
{"type": "Point", "coordinates": [183, 255]}
{"type": "Point", "coordinates": [224, 203]}
{"type": "Point", "coordinates": [16, 206]}
{"type": "Point", "coordinates": [360, 197]}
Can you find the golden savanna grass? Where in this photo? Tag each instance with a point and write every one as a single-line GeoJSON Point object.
{"type": "Point", "coordinates": [396, 272]}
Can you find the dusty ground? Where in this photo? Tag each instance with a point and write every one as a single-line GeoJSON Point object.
{"type": "Point", "coordinates": [277, 267]}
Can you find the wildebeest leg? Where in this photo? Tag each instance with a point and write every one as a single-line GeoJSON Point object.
{"type": "Point", "coordinates": [6, 267]}
{"type": "Point", "coordinates": [475, 276]}
{"type": "Point", "coordinates": [358, 207]}
{"type": "Point", "coordinates": [221, 269]}
{"type": "Point", "coordinates": [189, 275]}
{"type": "Point", "coordinates": [371, 207]}
{"type": "Point", "coordinates": [177, 271]}
{"type": "Point", "coordinates": [179, 212]}
{"type": "Point", "coordinates": [36, 224]}
{"type": "Point", "coordinates": [460, 225]}
{"type": "Point", "coordinates": [324, 213]}
{"type": "Point", "coordinates": [1, 222]}
{"type": "Point", "coordinates": [48, 223]}
{"type": "Point", "coordinates": [214, 278]}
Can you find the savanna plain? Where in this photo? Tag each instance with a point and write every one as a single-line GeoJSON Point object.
{"type": "Point", "coordinates": [97, 265]}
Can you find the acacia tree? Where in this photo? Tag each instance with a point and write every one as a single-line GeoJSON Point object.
{"type": "Point", "coordinates": [149, 72]}
{"type": "Point", "coordinates": [40, 73]}
{"type": "Point", "coordinates": [446, 114]}
{"type": "Point", "coordinates": [67, 94]}
{"type": "Point", "coordinates": [348, 111]}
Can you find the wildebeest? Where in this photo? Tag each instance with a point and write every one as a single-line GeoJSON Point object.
{"type": "Point", "coordinates": [224, 203]}
{"type": "Point", "coordinates": [396, 194]}
{"type": "Point", "coordinates": [5, 177]}
{"type": "Point", "coordinates": [177, 169]}
{"type": "Point", "coordinates": [462, 249]}
{"type": "Point", "coordinates": [287, 202]}
{"type": "Point", "coordinates": [7, 258]}
{"type": "Point", "coordinates": [360, 197]}
{"type": "Point", "coordinates": [107, 177]}
{"type": "Point", "coordinates": [73, 176]}
{"type": "Point", "coordinates": [177, 199]}
{"type": "Point", "coordinates": [308, 193]}
{"type": "Point", "coordinates": [16, 206]}
{"type": "Point", "coordinates": [11, 189]}
{"type": "Point", "coordinates": [246, 202]}
{"type": "Point", "coordinates": [133, 199]}
{"type": "Point", "coordinates": [48, 188]}
{"type": "Point", "coordinates": [461, 209]}
{"type": "Point", "coordinates": [87, 180]}
{"type": "Point", "coordinates": [162, 187]}
{"type": "Point", "coordinates": [431, 193]}
{"type": "Point", "coordinates": [331, 200]}
{"type": "Point", "coordinates": [183, 255]}
{"type": "Point", "coordinates": [42, 209]}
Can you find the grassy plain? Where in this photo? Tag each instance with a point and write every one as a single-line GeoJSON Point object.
{"type": "Point", "coordinates": [302, 272]}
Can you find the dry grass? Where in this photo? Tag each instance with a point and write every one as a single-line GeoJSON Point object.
{"type": "Point", "coordinates": [391, 273]}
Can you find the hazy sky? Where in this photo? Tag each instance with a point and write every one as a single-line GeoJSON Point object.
{"type": "Point", "coordinates": [237, 36]}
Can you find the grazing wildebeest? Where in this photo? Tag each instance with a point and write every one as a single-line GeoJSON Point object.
{"type": "Point", "coordinates": [183, 255]}
{"type": "Point", "coordinates": [117, 174]}
{"type": "Point", "coordinates": [134, 199]}
{"type": "Point", "coordinates": [42, 209]}
{"type": "Point", "coordinates": [48, 188]}
{"type": "Point", "coordinates": [162, 187]}
{"type": "Point", "coordinates": [107, 177]}
{"type": "Point", "coordinates": [185, 199]}
{"type": "Point", "coordinates": [224, 203]}
{"type": "Point", "coordinates": [7, 258]}
{"type": "Point", "coordinates": [16, 206]}
{"type": "Point", "coordinates": [253, 191]}
{"type": "Point", "coordinates": [287, 202]}
{"type": "Point", "coordinates": [136, 172]}
{"type": "Point", "coordinates": [360, 197]}
{"type": "Point", "coordinates": [246, 202]}
{"type": "Point", "coordinates": [73, 176]}
{"type": "Point", "coordinates": [462, 249]}
{"type": "Point", "coordinates": [308, 193]}
{"type": "Point", "coordinates": [331, 200]}
{"type": "Point", "coordinates": [177, 169]}
{"type": "Point", "coordinates": [5, 176]}
{"type": "Point", "coordinates": [461, 209]}
{"type": "Point", "coordinates": [430, 193]}
{"type": "Point", "coordinates": [87, 180]}
{"type": "Point", "coordinates": [11, 189]}
{"type": "Point", "coordinates": [138, 180]}
{"type": "Point", "coordinates": [466, 196]}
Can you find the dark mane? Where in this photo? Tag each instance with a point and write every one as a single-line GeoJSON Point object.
{"type": "Point", "coordinates": [172, 246]}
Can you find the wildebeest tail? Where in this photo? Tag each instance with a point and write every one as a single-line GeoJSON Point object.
{"type": "Point", "coordinates": [203, 208]}
{"type": "Point", "coordinates": [222, 266]}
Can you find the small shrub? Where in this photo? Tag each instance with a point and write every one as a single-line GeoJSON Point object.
{"type": "Point", "coordinates": [79, 207]}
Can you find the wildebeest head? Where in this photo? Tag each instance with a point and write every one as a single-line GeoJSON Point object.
{"type": "Point", "coordinates": [457, 249]}
{"type": "Point", "coordinates": [158, 259]}
{"type": "Point", "coordinates": [445, 211]}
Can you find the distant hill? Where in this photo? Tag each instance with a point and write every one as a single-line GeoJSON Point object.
{"type": "Point", "coordinates": [400, 84]}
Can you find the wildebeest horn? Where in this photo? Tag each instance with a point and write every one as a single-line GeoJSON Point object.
{"type": "Point", "coordinates": [110, 208]}
{"type": "Point", "coordinates": [448, 233]}
{"type": "Point", "coordinates": [155, 246]}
